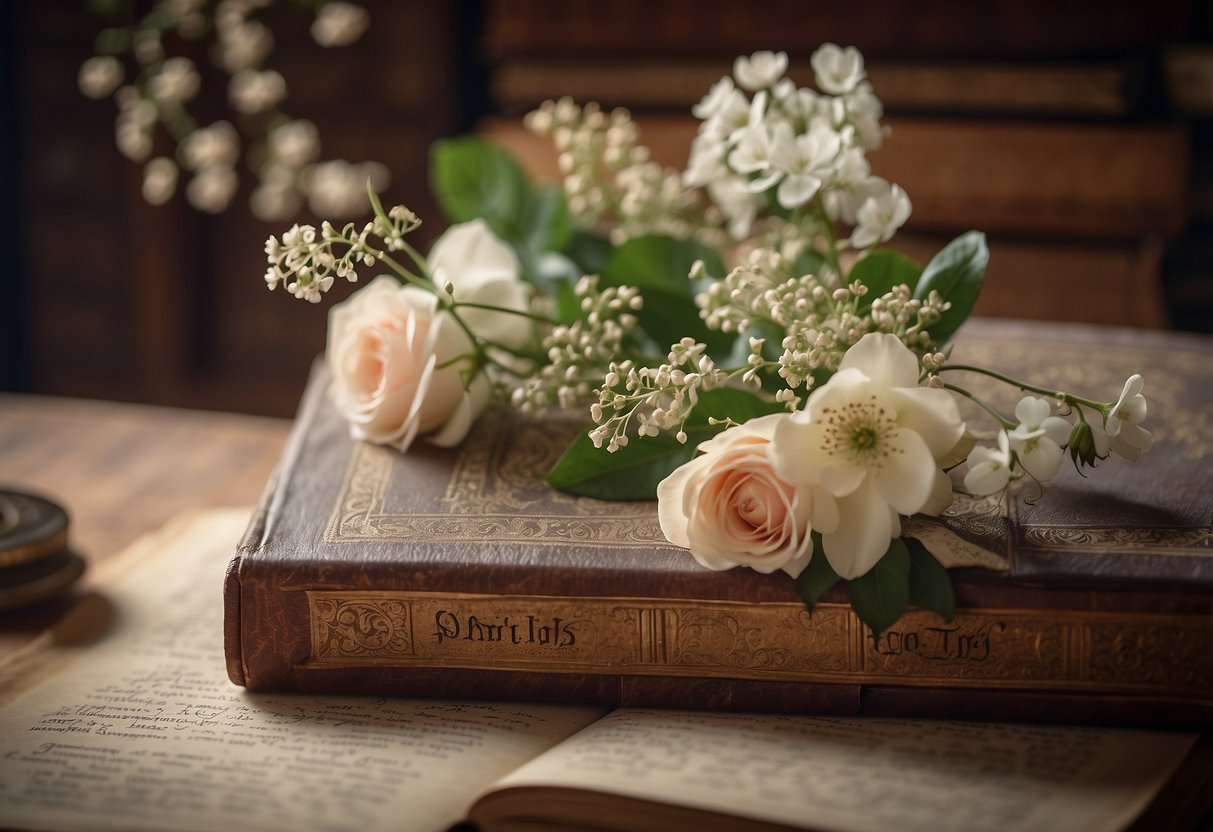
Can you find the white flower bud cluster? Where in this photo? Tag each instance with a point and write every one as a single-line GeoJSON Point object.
{"type": "Point", "coordinates": [578, 353]}
{"type": "Point", "coordinates": [305, 263]}
{"type": "Point", "coordinates": [608, 175]}
{"type": "Point", "coordinates": [819, 323]}
{"type": "Point", "coordinates": [653, 399]}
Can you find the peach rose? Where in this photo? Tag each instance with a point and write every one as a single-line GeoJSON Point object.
{"type": "Point", "coordinates": [389, 350]}
{"type": "Point", "coordinates": [731, 508]}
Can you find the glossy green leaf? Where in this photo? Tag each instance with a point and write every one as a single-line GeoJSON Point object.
{"type": "Point", "coordinates": [658, 262]}
{"type": "Point", "coordinates": [668, 317]}
{"type": "Point", "coordinates": [956, 273]}
{"type": "Point", "coordinates": [807, 262]}
{"type": "Point", "coordinates": [543, 222]}
{"type": "Point", "coordinates": [588, 250]}
{"type": "Point", "coordinates": [880, 271]}
{"type": "Point", "coordinates": [930, 586]}
{"type": "Point", "coordinates": [817, 577]}
{"type": "Point", "coordinates": [474, 178]}
{"type": "Point", "coordinates": [882, 595]}
{"type": "Point", "coordinates": [659, 267]}
{"type": "Point", "coordinates": [633, 471]}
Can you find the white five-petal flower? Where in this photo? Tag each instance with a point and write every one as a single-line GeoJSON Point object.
{"type": "Point", "coordinates": [1038, 438]}
{"type": "Point", "coordinates": [806, 160]}
{"type": "Point", "coordinates": [838, 70]}
{"type": "Point", "coordinates": [760, 70]}
{"type": "Point", "coordinates": [880, 216]}
{"type": "Point", "coordinates": [1123, 421]}
{"type": "Point", "coordinates": [989, 468]}
{"type": "Point", "coordinates": [870, 437]}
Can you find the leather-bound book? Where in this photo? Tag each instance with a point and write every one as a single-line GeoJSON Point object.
{"type": "Point", "coordinates": [460, 573]}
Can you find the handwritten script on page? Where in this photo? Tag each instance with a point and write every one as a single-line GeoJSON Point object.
{"type": "Point", "coordinates": [862, 775]}
{"type": "Point", "coordinates": [142, 730]}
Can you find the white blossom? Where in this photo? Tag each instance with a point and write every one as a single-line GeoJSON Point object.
{"type": "Point", "coordinates": [177, 81]}
{"type": "Point", "coordinates": [339, 24]}
{"type": "Point", "coordinates": [295, 143]}
{"type": "Point", "coordinates": [134, 142]}
{"type": "Point", "coordinates": [717, 100]}
{"type": "Point", "coordinates": [870, 437]}
{"type": "Point", "coordinates": [760, 70]}
{"type": "Point", "coordinates": [243, 45]}
{"type": "Point", "coordinates": [338, 188]}
{"type": "Point", "coordinates": [989, 468]}
{"type": "Point", "coordinates": [159, 180]}
{"type": "Point", "coordinates": [880, 216]}
{"type": "Point", "coordinates": [253, 91]}
{"type": "Point", "coordinates": [212, 188]}
{"type": "Point", "coordinates": [100, 76]}
{"type": "Point", "coordinates": [1123, 421]}
{"type": "Point", "coordinates": [737, 202]}
{"type": "Point", "coordinates": [1038, 438]}
{"type": "Point", "coordinates": [217, 145]}
{"type": "Point", "coordinates": [838, 70]}
{"type": "Point", "coordinates": [806, 160]}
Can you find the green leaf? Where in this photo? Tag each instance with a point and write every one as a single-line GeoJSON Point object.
{"type": "Point", "coordinates": [659, 266]}
{"type": "Point", "coordinates": [930, 586]}
{"type": "Point", "coordinates": [542, 223]}
{"type": "Point", "coordinates": [817, 577]}
{"type": "Point", "coordinates": [956, 273]}
{"type": "Point", "coordinates": [474, 178]}
{"type": "Point", "coordinates": [546, 269]}
{"type": "Point", "coordinates": [729, 402]}
{"type": "Point", "coordinates": [880, 596]}
{"type": "Point", "coordinates": [588, 250]}
{"type": "Point", "coordinates": [633, 471]}
{"type": "Point", "coordinates": [658, 262]}
{"type": "Point", "coordinates": [807, 262]}
{"type": "Point", "coordinates": [568, 307]}
{"type": "Point", "coordinates": [880, 271]}
{"type": "Point", "coordinates": [668, 317]}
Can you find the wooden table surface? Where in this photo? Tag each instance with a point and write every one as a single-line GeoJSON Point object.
{"type": "Point", "coordinates": [123, 470]}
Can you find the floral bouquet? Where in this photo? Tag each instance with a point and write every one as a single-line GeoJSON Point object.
{"type": "Point", "coordinates": [746, 349]}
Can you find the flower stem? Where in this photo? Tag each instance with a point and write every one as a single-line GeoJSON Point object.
{"type": "Point", "coordinates": [416, 258]}
{"type": "Point", "coordinates": [534, 316]}
{"type": "Point", "coordinates": [1060, 395]}
{"type": "Point", "coordinates": [983, 404]}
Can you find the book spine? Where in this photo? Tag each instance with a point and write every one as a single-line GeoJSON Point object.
{"type": "Point", "coordinates": [260, 527]}
{"type": "Point", "coordinates": [770, 656]}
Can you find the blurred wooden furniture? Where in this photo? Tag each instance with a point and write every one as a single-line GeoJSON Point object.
{"type": "Point", "coordinates": [123, 470]}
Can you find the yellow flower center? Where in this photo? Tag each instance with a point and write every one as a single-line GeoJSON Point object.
{"type": "Point", "coordinates": [860, 432]}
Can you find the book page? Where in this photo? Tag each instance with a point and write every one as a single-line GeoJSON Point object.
{"type": "Point", "coordinates": [143, 730]}
{"type": "Point", "coordinates": [855, 775]}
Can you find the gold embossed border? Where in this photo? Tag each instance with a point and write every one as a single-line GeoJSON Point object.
{"type": "Point", "coordinates": [1187, 541]}
{"type": "Point", "coordinates": [495, 495]}
{"type": "Point", "coordinates": [1164, 655]}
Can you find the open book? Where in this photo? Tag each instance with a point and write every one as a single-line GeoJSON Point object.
{"type": "Point", "coordinates": [122, 718]}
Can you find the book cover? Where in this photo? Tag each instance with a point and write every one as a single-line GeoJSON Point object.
{"type": "Point", "coordinates": [460, 573]}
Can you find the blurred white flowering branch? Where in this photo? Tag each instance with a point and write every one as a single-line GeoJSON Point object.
{"type": "Point", "coordinates": [153, 90]}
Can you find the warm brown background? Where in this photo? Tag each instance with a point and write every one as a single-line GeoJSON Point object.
{"type": "Point", "coordinates": [1094, 191]}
